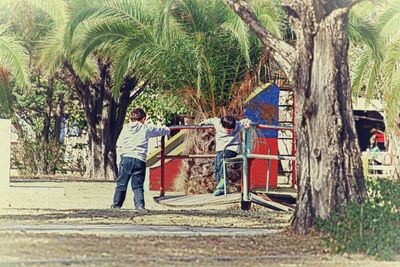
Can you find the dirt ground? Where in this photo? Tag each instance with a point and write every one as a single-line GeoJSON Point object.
{"type": "Point", "coordinates": [87, 203]}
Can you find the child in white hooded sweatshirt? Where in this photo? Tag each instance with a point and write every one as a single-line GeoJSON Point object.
{"type": "Point", "coordinates": [132, 147]}
{"type": "Point", "coordinates": [227, 141]}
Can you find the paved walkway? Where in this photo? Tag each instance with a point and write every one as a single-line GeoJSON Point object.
{"type": "Point", "coordinates": [137, 230]}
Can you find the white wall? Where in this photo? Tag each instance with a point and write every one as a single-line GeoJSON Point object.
{"type": "Point", "coordinates": [5, 141]}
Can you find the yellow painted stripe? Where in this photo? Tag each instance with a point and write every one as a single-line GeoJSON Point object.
{"type": "Point", "coordinates": [170, 145]}
{"type": "Point", "coordinates": [256, 91]}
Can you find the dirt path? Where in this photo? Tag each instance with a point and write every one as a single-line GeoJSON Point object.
{"type": "Point", "coordinates": [86, 205]}
{"type": "Point", "coordinates": [281, 249]}
{"type": "Point", "coordinates": [136, 230]}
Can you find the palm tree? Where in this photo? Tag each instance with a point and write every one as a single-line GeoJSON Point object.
{"type": "Point", "coordinates": [14, 63]}
{"type": "Point", "coordinates": [377, 73]}
{"type": "Point", "coordinates": [91, 80]}
{"type": "Point", "coordinates": [174, 44]}
{"type": "Point", "coordinates": [199, 49]}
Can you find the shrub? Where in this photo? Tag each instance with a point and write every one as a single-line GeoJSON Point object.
{"type": "Point", "coordinates": [372, 228]}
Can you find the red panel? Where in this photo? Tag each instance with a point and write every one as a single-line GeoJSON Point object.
{"type": "Point", "coordinates": [172, 168]}
{"type": "Point", "coordinates": [258, 167]}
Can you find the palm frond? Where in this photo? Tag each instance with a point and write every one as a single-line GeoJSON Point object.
{"type": "Point", "coordinates": [389, 22]}
{"type": "Point", "coordinates": [392, 98]}
{"type": "Point", "coordinates": [106, 34]}
{"type": "Point", "coordinates": [14, 57]}
{"type": "Point", "coordinates": [362, 67]}
{"type": "Point", "coordinates": [51, 52]}
{"type": "Point", "coordinates": [193, 14]}
{"type": "Point", "coordinates": [391, 63]}
{"type": "Point", "coordinates": [56, 9]}
{"type": "Point", "coordinates": [271, 16]}
{"type": "Point", "coordinates": [239, 29]}
{"type": "Point", "coordinates": [362, 31]}
{"type": "Point", "coordinates": [167, 26]}
{"type": "Point", "coordinates": [131, 11]}
{"type": "Point", "coordinates": [372, 83]}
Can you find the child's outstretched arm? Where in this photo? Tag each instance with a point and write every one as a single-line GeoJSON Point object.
{"type": "Point", "coordinates": [158, 131]}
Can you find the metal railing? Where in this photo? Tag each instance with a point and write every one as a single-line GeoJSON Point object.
{"type": "Point", "coordinates": [246, 154]}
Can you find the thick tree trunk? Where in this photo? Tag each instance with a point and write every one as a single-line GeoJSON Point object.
{"type": "Point", "coordinates": [105, 118]}
{"type": "Point", "coordinates": [101, 163]}
{"type": "Point", "coordinates": [329, 168]}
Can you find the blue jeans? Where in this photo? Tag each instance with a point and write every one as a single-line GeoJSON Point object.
{"type": "Point", "coordinates": [135, 169]}
{"type": "Point", "coordinates": [218, 163]}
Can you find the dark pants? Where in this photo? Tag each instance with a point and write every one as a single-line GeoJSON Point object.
{"type": "Point", "coordinates": [135, 169]}
{"type": "Point", "coordinates": [218, 163]}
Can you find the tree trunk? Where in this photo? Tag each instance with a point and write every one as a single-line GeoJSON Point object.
{"type": "Point", "coordinates": [328, 160]}
{"type": "Point", "coordinates": [105, 118]}
{"type": "Point", "coordinates": [329, 168]}
{"type": "Point", "coordinates": [59, 116]}
{"type": "Point", "coordinates": [46, 127]}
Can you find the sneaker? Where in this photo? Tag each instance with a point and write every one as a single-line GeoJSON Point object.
{"type": "Point", "coordinates": [219, 192]}
{"type": "Point", "coordinates": [114, 207]}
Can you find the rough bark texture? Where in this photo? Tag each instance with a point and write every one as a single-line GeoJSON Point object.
{"type": "Point", "coordinates": [329, 168]}
{"type": "Point", "coordinates": [328, 165]}
{"type": "Point", "coordinates": [105, 117]}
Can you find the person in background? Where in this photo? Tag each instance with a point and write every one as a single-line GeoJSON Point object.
{"type": "Point", "coordinates": [227, 132]}
{"type": "Point", "coordinates": [132, 152]}
{"type": "Point", "coordinates": [377, 140]}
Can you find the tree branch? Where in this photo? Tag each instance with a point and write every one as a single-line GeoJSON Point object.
{"type": "Point", "coordinates": [137, 92]}
{"type": "Point", "coordinates": [293, 6]}
{"type": "Point", "coordinates": [125, 99]}
{"type": "Point", "coordinates": [282, 52]}
{"type": "Point", "coordinates": [354, 2]}
{"type": "Point", "coordinates": [82, 88]}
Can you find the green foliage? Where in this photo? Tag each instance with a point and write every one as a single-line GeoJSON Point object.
{"type": "Point", "coordinates": [5, 108]}
{"type": "Point", "coordinates": [374, 30]}
{"type": "Point", "coordinates": [373, 227]}
{"type": "Point", "coordinates": [202, 47]}
{"type": "Point", "coordinates": [30, 158]}
{"type": "Point", "coordinates": [13, 56]}
{"type": "Point", "coordinates": [38, 115]}
{"type": "Point", "coordinates": [160, 106]}
{"type": "Point", "coordinates": [14, 62]}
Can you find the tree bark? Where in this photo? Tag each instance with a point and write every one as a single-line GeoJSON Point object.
{"type": "Point", "coordinates": [58, 116]}
{"type": "Point", "coordinates": [105, 117]}
{"type": "Point", "coordinates": [329, 168]}
{"type": "Point", "coordinates": [328, 160]}
{"type": "Point", "coordinates": [46, 127]}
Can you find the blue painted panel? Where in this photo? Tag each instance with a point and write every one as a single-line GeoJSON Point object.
{"type": "Point", "coordinates": [262, 107]}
